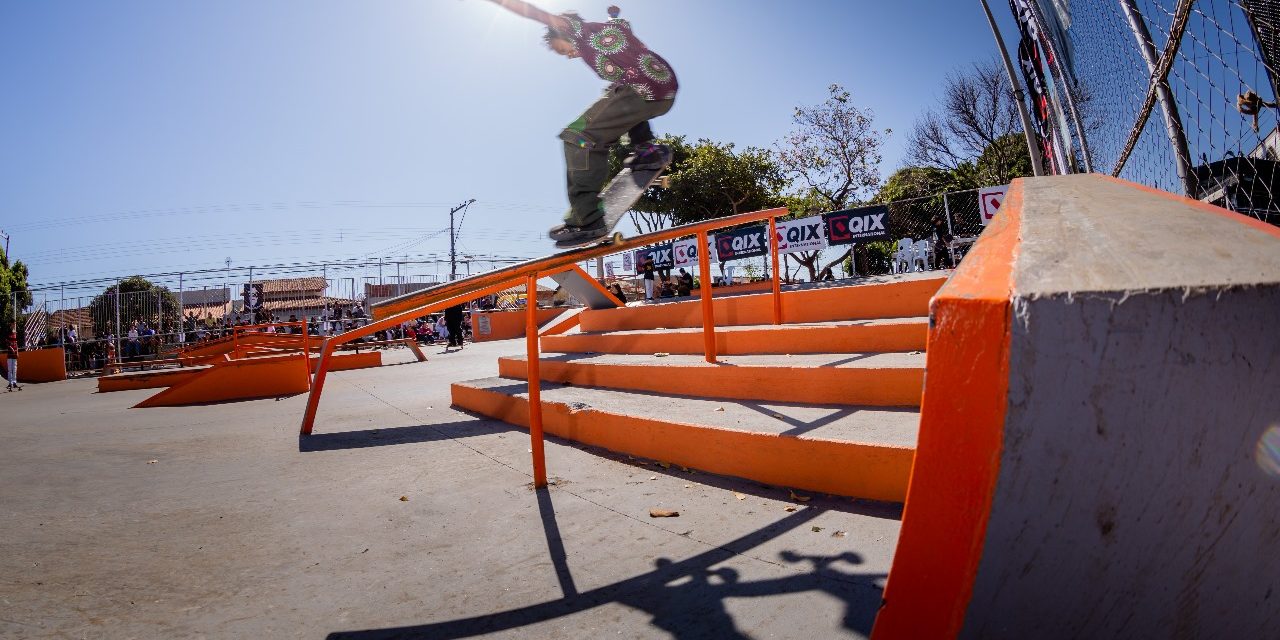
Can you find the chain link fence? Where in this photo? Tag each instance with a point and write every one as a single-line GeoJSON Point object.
{"type": "Point", "coordinates": [144, 318]}
{"type": "Point", "coordinates": [1176, 94]}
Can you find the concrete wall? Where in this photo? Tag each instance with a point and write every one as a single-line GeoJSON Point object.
{"type": "Point", "coordinates": [1125, 489]}
{"type": "Point", "coordinates": [504, 325]}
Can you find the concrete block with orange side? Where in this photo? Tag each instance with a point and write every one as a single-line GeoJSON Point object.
{"type": "Point", "coordinates": [1099, 448]}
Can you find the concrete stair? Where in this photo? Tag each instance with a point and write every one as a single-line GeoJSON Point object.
{"type": "Point", "coordinates": [826, 402]}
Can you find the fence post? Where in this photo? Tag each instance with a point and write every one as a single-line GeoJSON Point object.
{"type": "Point", "coordinates": [1172, 119]}
{"type": "Point", "coordinates": [946, 207]}
{"type": "Point", "coordinates": [119, 354]}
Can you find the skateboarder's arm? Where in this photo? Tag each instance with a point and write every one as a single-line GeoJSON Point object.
{"type": "Point", "coordinates": [522, 8]}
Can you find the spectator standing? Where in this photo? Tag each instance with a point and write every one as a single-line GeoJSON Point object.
{"type": "Point", "coordinates": [132, 347]}
{"type": "Point", "coordinates": [941, 243]}
{"type": "Point", "coordinates": [453, 321]}
{"type": "Point", "coordinates": [11, 350]}
{"type": "Point", "coordinates": [648, 271]}
{"type": "Point", "coordinates": [442, 329]}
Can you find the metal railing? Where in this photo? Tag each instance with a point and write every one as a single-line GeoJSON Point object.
{"type": "Point", "coordinates": [419, 303]}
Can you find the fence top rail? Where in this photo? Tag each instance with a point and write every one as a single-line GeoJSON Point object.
{"type": "Point", "coordinates": [400, 305]}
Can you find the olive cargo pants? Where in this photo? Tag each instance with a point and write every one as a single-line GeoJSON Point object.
{"type": "Point", "coordinates": [586, 146]}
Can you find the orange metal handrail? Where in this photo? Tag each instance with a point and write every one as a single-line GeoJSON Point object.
{"type": "Point", "coordinates": [559, 262]}
{"type": "Point", "coordinates": [422, 302]}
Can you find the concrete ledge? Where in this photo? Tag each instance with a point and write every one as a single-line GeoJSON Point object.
{"type": "Point", "coordinates": [1093, 457]}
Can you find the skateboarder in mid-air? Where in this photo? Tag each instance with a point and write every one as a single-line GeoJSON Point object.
{"type": "Point", "coordinates": [643, 86]}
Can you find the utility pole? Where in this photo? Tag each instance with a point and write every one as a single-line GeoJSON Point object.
{"type": "Point", "coordinates": [453, 240]}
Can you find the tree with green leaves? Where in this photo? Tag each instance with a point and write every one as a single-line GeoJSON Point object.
{"type": "Point", "coordinates": [706, 180]}
{"type": "Point", "coordinates": [833, 152]}
{"type": "Point", "coordinates": [14, 294]}
{"type": "Point", "coordinates": [139, 300]}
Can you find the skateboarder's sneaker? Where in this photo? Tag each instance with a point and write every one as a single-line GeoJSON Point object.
{"type": "Point", "coordinates": [648, 156]}
{"type": "Point", "coordinates": [567, 234]}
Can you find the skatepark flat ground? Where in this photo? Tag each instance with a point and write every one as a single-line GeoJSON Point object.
{"type": "Point", "coordinates": [218, 521]}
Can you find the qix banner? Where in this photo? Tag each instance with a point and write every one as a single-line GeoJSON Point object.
{"type": "Point", "coordinates": [857, 225]}
{"type": "Point", "coordinates": [804, 234]}
{"type": "Point", "coordinates": [747, 242]}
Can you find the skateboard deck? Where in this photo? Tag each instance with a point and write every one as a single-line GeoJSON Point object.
{"type": "Point", "coordinates": [617, 198]}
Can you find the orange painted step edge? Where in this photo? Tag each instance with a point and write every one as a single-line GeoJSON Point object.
{"type": "Point", "coordinates": [874, 472]}
{"type": "Point", "coordinates": [877, 387]}
{"type": "Point", "coordinates": [901, 299]}
{"type": "Point", "coordinates": [949, 498]}
{"type": "Point", "coordinates": [841, 339]}
{"type": "Point", "coordinates": [264, 377]}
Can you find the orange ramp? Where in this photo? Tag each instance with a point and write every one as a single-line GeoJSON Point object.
{"type": "Point", "coordinates": [264, 377]}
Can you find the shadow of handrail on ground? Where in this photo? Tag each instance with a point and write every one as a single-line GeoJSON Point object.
{"type": "Point", "coordinates": [387, 436]}
{"type": "Point", "coordinates": [685, 598]}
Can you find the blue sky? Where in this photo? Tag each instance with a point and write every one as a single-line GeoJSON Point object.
{"type": "Point", "coordinates": [158, 135]}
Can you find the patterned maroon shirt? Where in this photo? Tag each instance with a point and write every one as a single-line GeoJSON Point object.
{"type": "Point", "coordinates": [618, 56]}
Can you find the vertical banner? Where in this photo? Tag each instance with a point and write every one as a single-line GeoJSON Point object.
{"type": "Point", "coordinates": [867, 224]}
{"type": "Point", "coordinates": [747, 242]}
{"type": "Point", "coordinates": [989, 201]}
{"type": "Point", "coordinates": [660, 254]}
{"type": "Point", "coordinates": [1032, 64]}
{"type": "Point", "coordinates": [805, 234]}
{"type": "Point", "coordinates": [628, 262]}
{"type": "Point", "coordinates": [253, 297]}
{"type": "Point", "coordinates": [608, 269]}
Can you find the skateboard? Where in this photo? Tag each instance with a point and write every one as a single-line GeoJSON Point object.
{"type": "Point", "coordinates": [617, 198]}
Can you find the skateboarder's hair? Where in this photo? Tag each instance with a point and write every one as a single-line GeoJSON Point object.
{"type": "Point", "coordinates": [554, 34]}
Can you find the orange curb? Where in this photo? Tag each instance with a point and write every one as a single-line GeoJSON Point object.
{"type": "Point", "coordinates": [860, 386]}
{"type": "Point", "coordinates": [39, 365]}
{"type": "Point", "coordinates": [904, 299]}
{"type": "Point", "coordinates": [874, 472]}
{"type": "Point", "coordinates": [962, 417]}
{"type": "Point", "coordinates": [904, 336]}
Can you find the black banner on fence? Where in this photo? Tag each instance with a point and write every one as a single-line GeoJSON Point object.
{"type": "Point", "coordinates": [661, 255]}
{"type": "Point", "coordinates": [747, 242]}
{"type": "Point", "coordinates": [857, 225]}
{"type": "Point", "coordinates": [253, 296]}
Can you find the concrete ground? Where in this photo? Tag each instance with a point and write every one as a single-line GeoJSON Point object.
{"type": "Point", "coordinates": [218, 521]}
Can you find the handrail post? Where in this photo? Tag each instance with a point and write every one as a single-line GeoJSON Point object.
{"type": "Point", "coordinates": [777, 277]}
{"type": "Point", "coordinates": [535, 381]}
{"type": "Point", "coordinates": [317, 386]}
{"type": "Point", "coordinates": [708, 312]}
